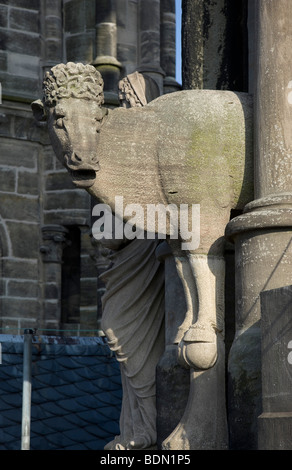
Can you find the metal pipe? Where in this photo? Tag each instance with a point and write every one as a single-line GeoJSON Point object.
{"type": "Point", "coordinates": [26, 390]}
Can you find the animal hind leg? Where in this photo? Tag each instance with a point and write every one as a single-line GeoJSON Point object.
{"type": "Point", "coordinates": [201, 349]}
{"type": "Point", "coordinates": [198, 346]}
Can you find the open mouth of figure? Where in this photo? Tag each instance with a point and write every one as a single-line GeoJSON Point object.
{"type": "Point", "coordinates": [83, 178]}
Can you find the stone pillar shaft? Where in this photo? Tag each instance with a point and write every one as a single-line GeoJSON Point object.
{"type": "Point", "coordinates": [106, 49]}
{"type": "Point", "coordinates": [168, 44]}
{"type": "Point", "coordinates": [263, 233]}
{"type": "Point", "coordinates": [149, 60]}
{"type": "Point", "coordinates": [214, 47]}
{"type": "Point", "coordinates": [273, 136]}
{"type": "Point", "coordinates": [52, 33]}
{"type": "Point", "coordinates": [167, 52]}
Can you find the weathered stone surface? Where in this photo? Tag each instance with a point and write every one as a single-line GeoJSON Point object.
{"type": "Point", "coordinates": [172, 390]}
{"type": "Point", "coordinates": [150, 55]}
{"type": "Point", "coordinates": [48, 159]}
{"type": "Point", "coordinates": [3, 16]}
{"type": "Point", "coordinates": [53, 27]}
{"type": "Point", "coordinates": [22, 289]}
{"type": "Point", "coordinates": [80, 15]}
{"type": "Point", "coordinates": [51, 291]}
{"type": "Point", "coordinates": [24, 20]}
{"type": "Point", "coordinates": [33, 39]}
{"type": "Point", "coordinates": [19, 269]}
{"type": "Point", "coordinates": [273, 100]}
{"type": "Point", "coordinates": [23, 65]}
{"type": "Point", "coordinates": [213, 45]}
{"type": "Point", "coordinates": [29, 4]}
{"type": "Point", "coordinates": [2, 287]}
{"type": "Point", "coordinates": [127, 54]}
{"type": "Point", "coordinates": [7, 179]}
{"type": "Point", "coordinates": [88, 269]}
{"type": "Point", "coordinates": [259, 267]}
{"type": "Point", "coordinates": [52, 311]}
{"type": "Point", "coordinates": [67, 217]}
{"type": "Point", "coordinates": [13, 154]}
{"type": "Point", "coordinates": [58, 181]}
{"type": "Point", "coordinates": [24, 238]}
{"type": "Point", "coordinates": [88, 286]}
{"type": "Point", "coordinates": [20, 208]}
{"type": "Point", "coordinates": [22, 88]}
{"type": "Point", "coordinates": [20, 42]}
{"type": "Point", "coordinates": [80, 47]}
{"type": "Point", "coordinates": [194, 115]}
{"type": "Point", "coordinates": [3, 61]}
{"type": "Point", "coordinates": [69, 200]}
{"type": "Point", "coordinates": [276, 325]}
{"type": "Point", "coordinates": [28, 183]}
{"type": "Point", "coordinates": [263, 232]}
{"type": "Point", "coordinates": [20, 308]}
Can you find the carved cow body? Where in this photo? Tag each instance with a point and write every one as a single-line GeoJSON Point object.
{"type": "Point", "coordinates": [188, 147]}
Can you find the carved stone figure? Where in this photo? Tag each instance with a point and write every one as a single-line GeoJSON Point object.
{"type": "Point", "coordinates": [185, 148]}
{"type": "Point", "coordinates": [135, 296]}
{"type": "Point", "coordinates": [133, 321]}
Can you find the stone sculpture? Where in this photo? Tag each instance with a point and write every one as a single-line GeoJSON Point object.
{"type": "Point", "coordinates": [185, 148]}
{"type": "Point", "coordinates": [135, 296]}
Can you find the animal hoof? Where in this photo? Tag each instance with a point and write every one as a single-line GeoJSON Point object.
{"type": "Point", "coordinates": [198, 355]}
{"type": "Point", "coordinates": [198, 348]}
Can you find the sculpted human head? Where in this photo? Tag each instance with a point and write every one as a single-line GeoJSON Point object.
{"type": "Point", "coordinates": [71, 105]}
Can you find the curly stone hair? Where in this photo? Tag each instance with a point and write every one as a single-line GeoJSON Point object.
{"type": "Point", "coordinates": [72, 80]}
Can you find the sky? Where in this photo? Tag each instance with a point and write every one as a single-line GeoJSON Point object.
{"type": "Point", "coordinates": [178, 40]}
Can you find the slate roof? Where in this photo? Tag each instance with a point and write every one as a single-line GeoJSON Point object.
{"type": "Point", "coordinates": [76, 393]}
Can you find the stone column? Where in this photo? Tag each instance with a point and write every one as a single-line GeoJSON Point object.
{"type": "Point", "coordinates": [214, 45]}
{"type": "Point", "coordinates": [54, 241]}
{"type": "Point", "coordinates": [149, 62]}
{"type": "Point", "coordinates": [168, 44]}
{"type": "Point", "coordinates": [106, 49]}
{"type": "Point", "coordinates": [52, 35]}
{"type": "Point", "coordinates": [263, 233]}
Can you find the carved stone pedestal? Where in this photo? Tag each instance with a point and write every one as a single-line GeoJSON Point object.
{"type": "Point", "coordinates": [263, 252]}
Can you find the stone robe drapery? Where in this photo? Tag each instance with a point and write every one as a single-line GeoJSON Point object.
{"type": "Point", "coordinates": [133, 321]}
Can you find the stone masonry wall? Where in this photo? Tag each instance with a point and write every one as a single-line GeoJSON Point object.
{"type": "Point", "coordinates": [20, 48]}
{"type": "Point", "coordinates": [35, 191]}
